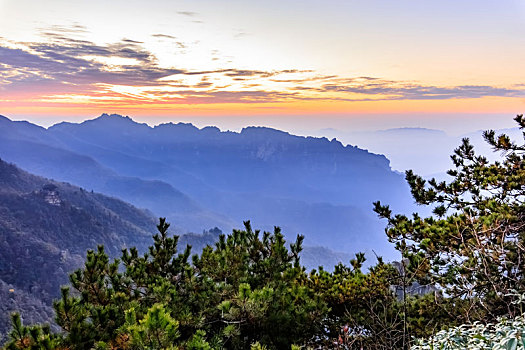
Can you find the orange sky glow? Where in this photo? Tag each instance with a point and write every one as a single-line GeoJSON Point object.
{"type": "Point", "coordinates": [170, 58]}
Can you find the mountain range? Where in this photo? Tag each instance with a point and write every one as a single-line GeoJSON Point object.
{"type": "Point", "coordinates": [107, 180]}
{"type": "Point", "coordinates": [201, 178]}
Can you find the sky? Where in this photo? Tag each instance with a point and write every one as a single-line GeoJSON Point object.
{"type": "Point", "coordinates": [299, 65]}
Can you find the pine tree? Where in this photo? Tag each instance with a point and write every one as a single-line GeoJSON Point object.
{"type": "Point", "coordinates": [473, 245]}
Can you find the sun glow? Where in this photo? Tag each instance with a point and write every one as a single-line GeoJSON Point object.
{"type": "Point", "coordinates": [253, 59]}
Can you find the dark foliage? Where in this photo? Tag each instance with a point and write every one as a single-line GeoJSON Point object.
{"type": "Point", "coordinates": [45, 229]}
{"type": "Point", "coordinates": [247, 288]}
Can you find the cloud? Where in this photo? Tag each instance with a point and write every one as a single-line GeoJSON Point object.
{"type": "Point", "coordinates": [164, 36]}
{"type": "Point", "coordinates": [191, 14]}
{"type": "Point", "coordinates": [187, 13]}
{"type": "Point", "coordinates": [71, 61]}
{"type": "Point", "coordinates": [74, 28]}
{"type": "Point", "coordinates": [392, 90]}
{"type": "Point", "coordinates": [67, 67]}
{"type": "Point", "coordinates": [232, 72]}
{"type": "Point", "coordinates": [132, 41]}
{"type": "Point", "coordinates": [306, 79]}
{"type": "Point", "coordinates": [172, 39]}
{"type": "Point", "coordinates": [210, 96]}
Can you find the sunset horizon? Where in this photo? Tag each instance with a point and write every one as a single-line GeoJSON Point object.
{"type": "Point", "coordinates": [207, 61]}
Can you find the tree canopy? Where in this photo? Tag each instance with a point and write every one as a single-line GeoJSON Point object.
{"type": "Point", "coordinates": [473, 246]}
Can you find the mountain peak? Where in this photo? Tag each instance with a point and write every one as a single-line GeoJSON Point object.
{"type": "Point", "coordinates": [179, 126]}
{"type": "Point", "coordinates": [263, 131]}
{"type": "Point", "coordinates": [115, 117]}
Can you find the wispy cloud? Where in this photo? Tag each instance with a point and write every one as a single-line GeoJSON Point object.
{"type": "Point", "coordinates": [65, 67]}
{"type": "Point", "coordinates": [79, 62]}
{"type": "Point", "coordinates": [171, 39]}
{"type": "Point", "coordinates": [188, 13]}
{"type": "Point", "coordinates": [74, 28]}
{"type": "Point", "coordinates": [394, 90]}
{"type": "Point", "coordinates": [164, 36]}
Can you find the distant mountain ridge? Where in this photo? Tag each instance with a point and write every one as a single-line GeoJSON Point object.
{"type": "Point", "coordinates": [38, 151]}
{"type": "Point", "coordinates": [413, 131]}
{"type": "Point", "coordinates": [202, 178]}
